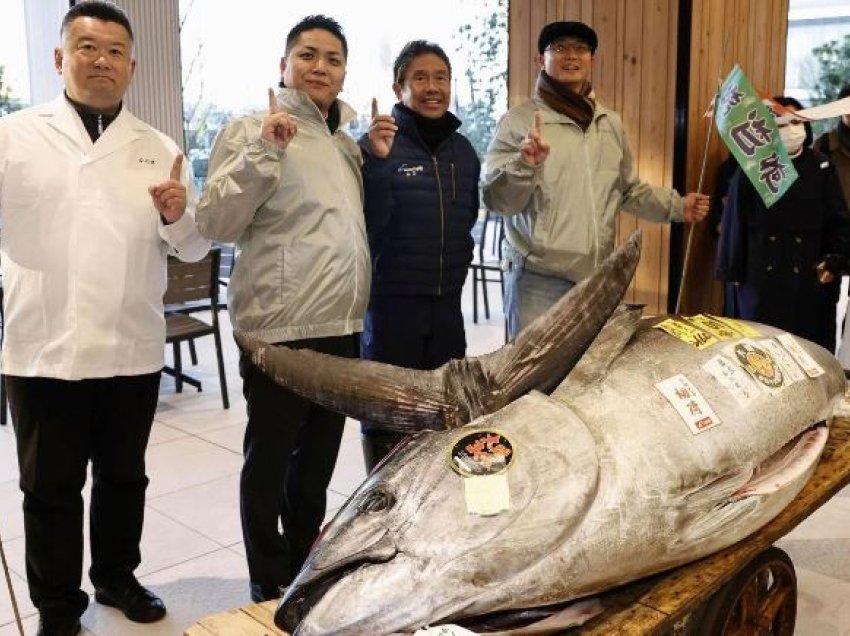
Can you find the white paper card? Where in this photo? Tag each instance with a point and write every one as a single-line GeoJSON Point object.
{"type": "Point", "coordinates": [793, 372]}
{"type": "Point", "coordinates": [487, 494]}
{"type": "Point", "coordinates": [734, 379]}
{"type": "Point", "coordinates": [689, 403]}
{"type": "Point", "coordinates": [812, 368]}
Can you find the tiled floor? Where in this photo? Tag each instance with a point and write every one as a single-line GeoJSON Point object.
{"type": "Point", "coordinates": [192, 547]}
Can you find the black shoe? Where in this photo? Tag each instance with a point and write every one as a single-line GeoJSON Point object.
{"type": "Point", "coordinates": [139, 604]}
{"type": "Point", "coordinates": [59, 627]}
{"type": "Point", "coordinates": [261, 593]}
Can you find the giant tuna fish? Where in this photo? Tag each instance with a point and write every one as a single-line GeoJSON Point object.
{"type": "Point", "coordinates": [650, 453]}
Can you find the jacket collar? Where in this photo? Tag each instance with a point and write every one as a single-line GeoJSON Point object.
{"type": "Point", "coordinates": [299, 104]}
{"type": "Point", "coordinates": [406, 119]}
{"type": "Point", "coordinates": [62, 116]}
{"type": "Point", "coordinates": [550, 115]}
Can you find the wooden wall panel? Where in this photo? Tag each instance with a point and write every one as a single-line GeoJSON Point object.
{"type": "Point", "coordinates": [631, 74]}
{"type": "Point", "coordinates": [751, 33]}
{"type": "Point", "coordinates": [634, 72]}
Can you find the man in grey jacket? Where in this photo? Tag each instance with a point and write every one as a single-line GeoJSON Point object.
{"type": "Point", "coordinates": [286, 186]}
{"type": "Point", "coordinates": [560, 169]}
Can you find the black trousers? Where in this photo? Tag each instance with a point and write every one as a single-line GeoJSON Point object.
{"type": "Point", "coordinates": [290, 450]}
{"type": "Point", "coordinates": [60, 425]}
{"type": "Point", "coordinates": [417, 332]}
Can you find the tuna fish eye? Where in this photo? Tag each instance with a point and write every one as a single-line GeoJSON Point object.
{"type": "Point", "coordinates": [376, 501]}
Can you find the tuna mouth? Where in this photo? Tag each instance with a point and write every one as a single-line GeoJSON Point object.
{"type": "Point", "coordinates": [300, 599]}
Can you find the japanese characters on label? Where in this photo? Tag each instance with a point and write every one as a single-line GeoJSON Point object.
{"type": "Point", "coordinates": [689, 403]}
{"type": "Point", "coordinates": [481, 453]}
{"type": "Point", "coordinates": [748, 331]}
{"type": "Point", "coordinates": [790, 369]}
{"type": "Point", "coordinates": [715, 327]}
{"type": "Point", "coordinates": [812, 368]}
{"type": "Point", "coordinates": [734, 379]}
{"type": "Point", "coordinates": [759, 364]}
{"type": "Point", "coordinates": [687, 333]}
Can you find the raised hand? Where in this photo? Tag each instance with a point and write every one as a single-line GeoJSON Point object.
{"type": "Point", "coordinates": [169, 197]}
{"type": "Point", "coordinates": [533, 149]}
{"type": "Point", "coordinates": [381, 132]}
{"type": "Point", "coordinates": [278, 127]}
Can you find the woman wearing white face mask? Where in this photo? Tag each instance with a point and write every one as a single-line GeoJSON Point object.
{"type": "Point", "coordinates": [783, 263]}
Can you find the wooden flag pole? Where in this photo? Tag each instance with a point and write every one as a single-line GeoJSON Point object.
{"type": "Point", "coordinates": [699, 191]}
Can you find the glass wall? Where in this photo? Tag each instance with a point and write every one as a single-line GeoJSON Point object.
{"type": "Point", "coordinates": [818, 55]}
{"type": "Point", "coordinates": [231, 56]}
{"type": "Point", "coordinates": [14, 74]}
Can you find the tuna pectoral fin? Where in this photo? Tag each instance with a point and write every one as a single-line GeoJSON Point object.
{"type": "Point", "coordinates": [771, 486]}
{"type": "Point", "coordinates": [791, 467]}
{"type": "Point", "coordinates": [400, 399]}
{"type": "Point", "coordinates": [548, 348]}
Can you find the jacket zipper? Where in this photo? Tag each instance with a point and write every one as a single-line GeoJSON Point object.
{"type": "Point", "coordinates": [592, 200]}
{"type": "Point", "coordinates": [454, 185]}
{"type": "Point", "coordinates": [442, 222]}
{"type": "Point", "coordinates": [342, 168]}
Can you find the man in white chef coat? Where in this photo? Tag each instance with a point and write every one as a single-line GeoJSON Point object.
{"type": "Point", "coordinates": [91, 200]}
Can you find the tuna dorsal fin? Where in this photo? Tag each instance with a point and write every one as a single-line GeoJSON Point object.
{"type": "Point", "coordinates": [610, 342]}
{"type": "Point", "coordinates": [546, 350]}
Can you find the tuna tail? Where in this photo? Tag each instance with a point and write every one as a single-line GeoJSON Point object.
{"type": "Point", "coordinates": [408, 400]}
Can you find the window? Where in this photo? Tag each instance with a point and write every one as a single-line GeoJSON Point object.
{"type": "Point", "coordinates": [818, 53]}
{"type": "Point", "coordinates": [14, 79]}
{"type": "Point", "coordinates": [231, 57]}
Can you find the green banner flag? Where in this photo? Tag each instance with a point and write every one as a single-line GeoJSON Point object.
{"type": "Point", "coordinates": [748, 128]}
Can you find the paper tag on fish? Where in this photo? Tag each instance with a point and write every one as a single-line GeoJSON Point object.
{"type": "Point", "coordinates": [687, 333]}
{"type": "Point", "coordinates": [748, 331]}
{"type": "Point", "coordinates": [759, 363]}
{"type": "Point", "coordinates": [487, 494]}
{"type": "Point", "coordinates": [790, 368]}
{"type": "Point", "coordinates": [734, 379]}
{"type": "Point", "coordinates": [689, 403]}
{"type": "Point", "coordinates": [715, 327]}
{"type": "Point", "coordinates": [812, 368]}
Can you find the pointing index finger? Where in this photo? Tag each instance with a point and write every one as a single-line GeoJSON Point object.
{"type": "Point", "coordinates": [538, 122]}
{"type": "Point", "coordinates": [374, 107]}
{"type": "Point", "coordinates": [176, 167]}
{"type": "Point", "coordinates": [272, 102]}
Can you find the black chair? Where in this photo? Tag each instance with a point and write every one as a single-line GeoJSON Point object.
{"type": "Point", "coordinates": [192, 287]}
{"type": "Point", "coordinates": [226, 263]}
{"type": "Point", "coordinates": [486, 263]}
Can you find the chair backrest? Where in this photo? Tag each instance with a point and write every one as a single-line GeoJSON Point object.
{"type": "Point", "coordinates": [226, 261]}
{"type": "Point", "coordinates": [496, 236]}
{"type": "Point", "coordinates": [188, 282]}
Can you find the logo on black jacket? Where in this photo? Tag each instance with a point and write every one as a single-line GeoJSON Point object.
{"type": "Point", "coordinates": [410, 171]}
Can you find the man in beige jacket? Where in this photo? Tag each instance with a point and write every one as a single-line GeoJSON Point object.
{"type": "Point", "coordinates": [560, 169]}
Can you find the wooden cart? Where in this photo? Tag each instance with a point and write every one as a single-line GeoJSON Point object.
{"type": "Point", "coordinates": [749, 588]}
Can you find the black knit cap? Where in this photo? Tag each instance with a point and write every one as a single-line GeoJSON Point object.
{"type": "Point", "coordinates": [556, 30]}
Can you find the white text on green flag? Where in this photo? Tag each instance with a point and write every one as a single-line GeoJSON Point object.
{"type": "Point", "coordinates": [748, 128]}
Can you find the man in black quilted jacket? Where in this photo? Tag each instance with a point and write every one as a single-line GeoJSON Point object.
{"type": "Point", "coordinates": [421, 200]}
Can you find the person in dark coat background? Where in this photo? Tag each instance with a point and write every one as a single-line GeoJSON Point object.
{"type": "Point", "coordinates": [420, 178]}
{"type": "Point", "coordinates": [784, 260]}
{"type": "Point", "coordinates": [725, 171]}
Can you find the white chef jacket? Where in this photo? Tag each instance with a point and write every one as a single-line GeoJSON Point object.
{"type": "Point", "coordinates": [83, 249]}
